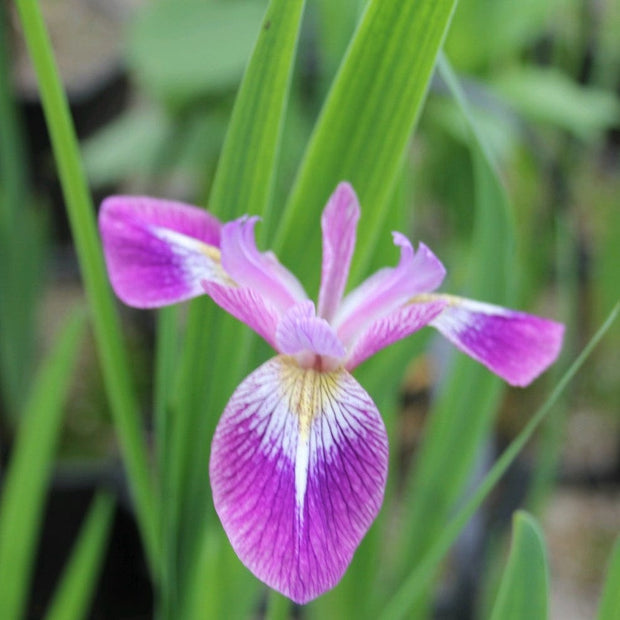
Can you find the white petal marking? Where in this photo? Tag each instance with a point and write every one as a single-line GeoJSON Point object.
{"type": "Point", "coordinates": [200, 260]}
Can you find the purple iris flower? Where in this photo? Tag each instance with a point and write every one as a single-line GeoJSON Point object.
{"type": "Point", "coordinates": [299, 458]}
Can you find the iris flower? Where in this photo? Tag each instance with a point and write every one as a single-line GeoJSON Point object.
{"type": "Point", "coordinates": [299, 458]}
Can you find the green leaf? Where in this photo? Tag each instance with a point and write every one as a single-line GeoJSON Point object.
{"type": "Point", "coordinates": [74, 593]}
{"type": "Point", "coordinates": [184, 49]}
{"type": "Point", "coordinates": [365, 125]}
{"type": "Point", "coordinates": [106, 323]}
{"type": "Point", "coordinates": [494, 118]}
{"type": "Point", "coordinates": [337, 21]}
{"type": "Point", "coordinates": [28, 473]}
{"type": "Point", "coordinates": [278, 607]}
{"type": "Point", "coordinates": [246, 171]}
{"type": "Point", "coordinates": [609, 608]}
{"type": "Point", "coordinates": [524, 589]}
{"type": "Point", "coordinates": [165, 361]}
{"type": "Point", "coordinates": [23, 244]}
{"type": "Point", "coordinates": [23, 253]}
{"type": "Point", "coordinates": [12, 150]}
{"type": "Point", "coordinates": [469, 395]}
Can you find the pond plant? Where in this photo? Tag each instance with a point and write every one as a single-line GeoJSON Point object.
{"type": "Point", "coordinates": [300, 455]}
{"type": "Point", "coordinates": [291, 451]}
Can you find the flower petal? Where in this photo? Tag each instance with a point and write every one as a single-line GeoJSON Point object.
{"type": "Point", "coordinates": [169, 214]}
{"type": "Point", "coordinates": [300, 330]}
{"type": "Point", "coordinates": [388, 329]}
{"type": "Point", "coordinates": [515, 345]}
{"type": "Point", "coordinates": [260, 271]}
{"type": "Point", "coordinates": [388, 289]}
{"type": "Point", "coordinates": [339, 224]}
{"type": "Point", "coordinates": [158, 251]}
{"type": "Point", "coordinates": [248, 306]}
{"type": "Point", "coordinates": [298, 470]}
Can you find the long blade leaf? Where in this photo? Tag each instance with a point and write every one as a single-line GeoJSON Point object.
{"type": "Point", "coordinates": [609, 608]}
{"type": "Point", "coordinates": [106, 322]}
{"type": "Point", "coordinates": [246, 171]}
{"type": "Point", "coordinates": [73, 595]}
{"type": "Point", "coordinates": [22, 244]}
{"type": "Point", "coordinates": [524, 589]}
{"type": "Point", "coordinates": [366, 123]}
{"type": "Point", "coordinates": [28, 473]}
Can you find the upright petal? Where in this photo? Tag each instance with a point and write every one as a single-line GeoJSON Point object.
{"type": "Point", "coordinates": [298, 470]}
{"type": "Point", "coordinates": [395, 325]}
{"type": "Point", "coordinates": [339, 224]}
{"type": "Point", "coordinates": [515, 345]}
{"type": "Point", "coordinates": [158, 251]}
{"type": "Point", "coordinates": [388, 289]}
{"type": "Point", "coordinates": [260, 271]}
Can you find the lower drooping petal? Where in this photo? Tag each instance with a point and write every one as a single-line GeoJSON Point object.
{"type": "Point", "coordinates": [158, 251]}
{"type": "Point", "coordinates": [298, 470]}
{"type": "Point", "coordinates": [516, 346]}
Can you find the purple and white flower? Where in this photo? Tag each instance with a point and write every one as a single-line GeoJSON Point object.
{"type": "Point", "coordinates": [299, 458]}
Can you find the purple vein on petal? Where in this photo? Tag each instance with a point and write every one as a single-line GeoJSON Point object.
{"type": "Point", "coordinates": [298, 469]}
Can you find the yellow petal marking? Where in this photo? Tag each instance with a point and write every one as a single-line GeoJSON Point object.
{"type": "Point", "coordinates": [307, 392]}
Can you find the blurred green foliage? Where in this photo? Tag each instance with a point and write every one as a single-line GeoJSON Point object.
{"type": "Point", "coordinates": [188, 50]}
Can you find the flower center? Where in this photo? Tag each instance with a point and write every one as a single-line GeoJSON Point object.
{"type": "Point", "coordinates": [308, 387]}
{"type": "Point", "coordinates": [308, 360]}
